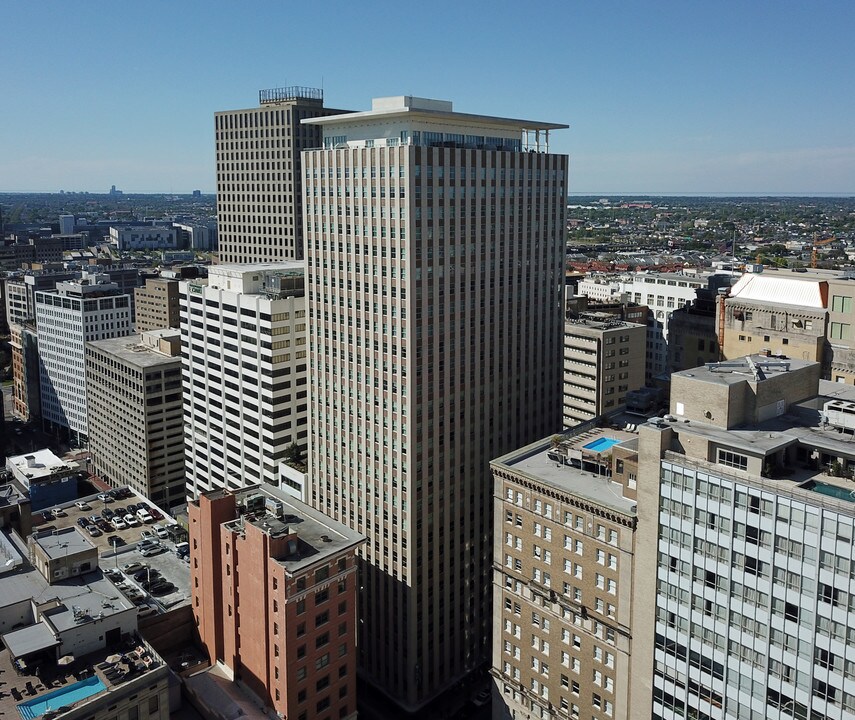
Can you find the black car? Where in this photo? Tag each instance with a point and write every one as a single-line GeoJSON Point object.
{"type": "Point", "coordinates": [107, 513]}
{"type": "Point", "coordinates": [82, 521]}
{"type": "Point", "coordinates": [162, 588]}
{"type": "Point", "coordinates": [146, 575]}
{"type": "Point", "coordinates": [115, 541]}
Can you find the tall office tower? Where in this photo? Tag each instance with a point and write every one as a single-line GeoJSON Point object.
{"type": "Point", "coordinates": [259, 182]}
{"type": "Point", "coordinates": [563, 549]}
{"type": "Point", "coordinates": [77, 312]}
{"type": "Point", "coordinates": [134, 383]}
{"type": "Point", "coordinates": [66, 224]}
{"type": "Point", "coordinates": [274, 599]}
{"type": "Point", "coordinates": [158, 304]}
{"type": "Point", "coordinates": [743, 602]}
{"type": "Point", "coordinates": [243, 334]}
{"type": "Point", "coordinates": [435, 246]}
{"type": "Point", "coordinates": [26, 396]}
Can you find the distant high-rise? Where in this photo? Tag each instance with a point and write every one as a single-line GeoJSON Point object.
{"type": "Point", "coordinates": [259, 183]}
{"type": "Point", "coordinates": [434, 246]}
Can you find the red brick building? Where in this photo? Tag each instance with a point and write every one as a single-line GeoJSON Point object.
{"type": "Point", "coordinates": [274, 597]}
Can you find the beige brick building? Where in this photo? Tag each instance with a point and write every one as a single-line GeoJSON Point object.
{"type": "Point", "coordinates": [564, 517]}
{"type": "Point", "coordinates": [158, 305]}
{"type": "Point", "coordinates": [134, 383]}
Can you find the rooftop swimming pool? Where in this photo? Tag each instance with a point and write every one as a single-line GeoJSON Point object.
{"type": "Point", "coordinates": [601, 444]}
{"type": "Point", "coordinates": [58, 698]}
{"type": "Point", "coordinates": [834, 491]}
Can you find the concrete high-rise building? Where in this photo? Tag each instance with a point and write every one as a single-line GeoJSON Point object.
{"type": "Point", "coordinates": [244, 337]}
{"type": "Point", "coordinates": [21, 293]}
{"type": "Point", "coordinates": [66, 224]}
{"type": "Point", "coordinates": [274, 598]}
{"type": "Point", "coordinates": [743, 597]}
{"type": "Point", "coordinates": [134, 383]}
{"type": "Point", "coordinates": [158, 304]}
{"type": "Point", "coordinates": [604, 359]}
{"type": "Point", "coordinates": [435, 246]}
{"type": "Point", "coordinates": [564, 542]}
{"type": "Point", "coordinates": [78, 312]}
{"type": "Point", "coordinates": [259, 181]}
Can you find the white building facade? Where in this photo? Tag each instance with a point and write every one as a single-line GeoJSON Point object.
{"type": "Point", "coordinates": [144, 238]}
{"type": "Point", "coordinates": [79, 311]}
{"type": "Point", "coordinates": [243, 336]}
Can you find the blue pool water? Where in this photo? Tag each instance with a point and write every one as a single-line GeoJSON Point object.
{"type": "Point", "coordinates": [65, 696]}
{"type": "Point", "coordinates": [830, 490]}
{"type": "Point", "coordinates": [601, 444]}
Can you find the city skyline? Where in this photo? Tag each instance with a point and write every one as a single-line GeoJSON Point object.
{"type": "Point", "coordinates": [724, 99]}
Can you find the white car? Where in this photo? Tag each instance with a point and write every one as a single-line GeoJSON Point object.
{"type": "Point", "coordinates": [58, 512]}
{"type": "Point", "coordinates": [83, 505]}
{"type": "Point", "coordinates": [131, 521]}
{"type": "Point", "coordinates": [143, 516]}
{"type": "Point", "coordinates": [161, 531]}
{"type": "Point", "coordinates": [118, 523]}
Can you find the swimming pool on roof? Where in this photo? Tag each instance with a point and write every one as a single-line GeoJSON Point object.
{"type": "Point", "coordinates": [601, 444]}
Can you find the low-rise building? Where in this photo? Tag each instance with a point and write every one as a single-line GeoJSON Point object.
{"type": "Point", "coordinates": [134, 382]}
{"type": "Point", "coordinates": [274, 595]}
{"type": "Point", "coordinates": [46, 478]}
{"type": "Point", "coordinates": [146, 237]}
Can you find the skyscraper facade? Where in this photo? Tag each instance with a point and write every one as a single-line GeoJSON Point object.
{"type": "Point", "coordinates": [90, 308]}
{"type": "Point", "coordinates": [258, 174]}
{"type": "Point", "coordinates": [243, 336]}
{"type": "Point", "coordinates": [434, 245]}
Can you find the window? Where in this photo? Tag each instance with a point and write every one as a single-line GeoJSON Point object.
{"type": "Point", "coordinates": [731, 459]}
{"type": "Point", "coordinates": [840, 331]}
{"type": "Point", "coordinates": [841, 304]}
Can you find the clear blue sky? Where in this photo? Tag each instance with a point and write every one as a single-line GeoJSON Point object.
{"type": "Point", "coordinates": [684, 96]}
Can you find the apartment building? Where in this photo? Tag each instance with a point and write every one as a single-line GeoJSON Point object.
{"type": "Point", "coordinates": [78, 312]}
{"type": "Point", "coordinates": [135, 383]}
{"type": "Point", "coordinates": [146, 237]}
{"type": "Point", "coordinates": [259, 203]}
{"type": "Point", "coordinates": [158, 304]}
{"type": "Point", "coordinates": [563, 547]}
{"type": "Point", "coordinates": [435, 246]}
{"type": "Point", "coordinates": [743, 564]}
{"type": "Point", "coordinates": [274, 598]}
{"type": "Point", "coordinates": [604, 359]}
{"type": "Point", "coordinates": [243, 333]}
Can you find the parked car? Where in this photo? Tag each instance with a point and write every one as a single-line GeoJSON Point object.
{"type": "Point", "coordinates": [105, 497]}
{"type": "Point", "coordinates": [93, 531]}
{"type": "Point", "coordinates": [148, 534]}
{"type": "Point", "coordinates": [144, 516]}
{"type": "Point", "coordinates": [131, 521]}
{"type": "Point", "coordinates": [82, 521]}
{"type": "Point", "coordinates": [160, 531]}
{"type": "Point", "coordinates": [81, 505]}
{"type": "Point", "coordinates": [58, 513]}
{"type": "Point", "coordinates": [156, 514]}
{"type": "Point", "coordinates": [156, 550]}
{"type": "Point", "coordinates": [107, 513]}
{"type": "Point", "coordinates": [146, 574]}
{"type": "Point", "coordinates": [113, 574]}
{"type": "Point", "coordinates": [132, 567]}
{"type": "Point", "coordinates": [163, 588]}
{"type": "Point", "coordinates": [115, 541]}
{"type": "Point", "coordinates": [182, 549]}
{"type": "Point", "coordinates": [118, 523]}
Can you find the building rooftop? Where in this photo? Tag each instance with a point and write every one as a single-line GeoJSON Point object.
{"type": "Point", "coordinates": [61, 543]}
{"type": "Point", "coordinates": [795, 290]}
{"type": "Point", "coordinates": [276, 513]}
{"type": "Point", "coordinates": [407, 106]}
{"type": "Point", "coordinates": [38, 464]}
{"type": "Point", "coordinates": [595, 323]}
{"type": "Point", "coordinates": [131, 350]}
{"type": "Point", "coordinates": [544, 464]}
{"type": "Point", "coordinates": [754, 368]}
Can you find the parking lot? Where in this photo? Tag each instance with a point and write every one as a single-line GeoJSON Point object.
{"type": "Point", "coordinates": [118, 548]}
{"type": "Point", "coordinates": [72, 515]}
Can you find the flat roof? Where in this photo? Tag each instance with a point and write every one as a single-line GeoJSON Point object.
{"type": "Point", "coordinates": [431, 110]}
{"type": "Point", "coordinates": [30, 639]}
{"type": "Point", "coordinates": [319, 535]}
{"type": "Point", "coordinates": [534, 460]}
{"type": "Point", "coordinates": [131, 350]}
{"type": "Point", "coordinates": [730, 372]}
{"type": "Point", "coordinates": [61, 543]}
{"type": "Point", "coordinates": [238, 269]}
{"type": "Point", "coordinates": [45, 463]}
